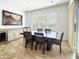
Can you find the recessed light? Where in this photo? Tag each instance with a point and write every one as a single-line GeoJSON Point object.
{"type": "Point", "coordinates": [51, 1]}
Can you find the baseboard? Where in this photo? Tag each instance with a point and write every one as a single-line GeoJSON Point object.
{"type": "Point", "coordinates": [15, 39]}
{"type": "Point", "coordinates": [10, 41]}
{"type": "Point", "coordinates": [65, 40]}
{"type": "Point", "coordinates": [3, 42]}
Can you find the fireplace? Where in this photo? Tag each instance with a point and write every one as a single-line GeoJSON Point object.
{"type": "Point", "coordinates": [3, 37]}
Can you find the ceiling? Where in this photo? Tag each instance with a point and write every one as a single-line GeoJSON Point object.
{"type": "Point", "coordinates": [27, 5]}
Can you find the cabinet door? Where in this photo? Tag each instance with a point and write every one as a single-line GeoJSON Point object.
{"type": "Point", "coordinates": [21, 31]}
{"type": "Point", "coordinates": [17, 34]}
{"type": "Point", "coordinates": [11, 35]}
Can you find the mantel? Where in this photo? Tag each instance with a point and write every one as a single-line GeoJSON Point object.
{"type": "Point", "coordinates": [12, 28]}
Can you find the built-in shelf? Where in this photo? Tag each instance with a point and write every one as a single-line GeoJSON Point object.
{"type": "Point", "coordinates": [9, 34]}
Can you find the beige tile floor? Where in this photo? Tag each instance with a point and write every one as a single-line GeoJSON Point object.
{"type": "Point", "coordinates": [16, 50]}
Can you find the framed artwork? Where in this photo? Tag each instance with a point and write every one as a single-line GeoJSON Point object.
{"type": "Point", "coordinates": [10, 18]}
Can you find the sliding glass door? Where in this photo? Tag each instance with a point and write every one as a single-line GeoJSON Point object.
{"type": "Point", "coordinates": [77, 32]}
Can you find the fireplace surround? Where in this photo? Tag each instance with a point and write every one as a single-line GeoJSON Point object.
{"type": "Point", "coordinates": [3, 37]}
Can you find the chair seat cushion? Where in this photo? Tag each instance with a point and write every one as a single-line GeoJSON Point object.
{"type": "Point", "coordinates": [56, 41]}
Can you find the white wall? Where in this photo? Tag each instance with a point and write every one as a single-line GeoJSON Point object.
{"type": "Point", "coordinates": [62, 17]}
{"type": "Point", "coordinates": [7, 7]}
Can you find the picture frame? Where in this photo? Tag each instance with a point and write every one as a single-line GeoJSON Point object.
{"type": "Point", "coordinates": [10, 18]}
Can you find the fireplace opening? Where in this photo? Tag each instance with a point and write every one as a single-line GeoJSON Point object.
{"type": "Point", "coordinates": [3, 37]}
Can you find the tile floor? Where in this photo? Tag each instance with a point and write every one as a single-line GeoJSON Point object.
{"type": "Point", "coordinates": [16, 50]}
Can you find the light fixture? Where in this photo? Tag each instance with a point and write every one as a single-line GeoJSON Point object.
{"type": "Point", "coordinates": [51, 1]}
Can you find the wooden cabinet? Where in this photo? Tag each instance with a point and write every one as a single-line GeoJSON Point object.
{"type": "Point", "coordinates": [20, 31]}
{"type": "Point", "coordinates": [11, 35]}
{"type": "Point", "coordinates": [15, 33]}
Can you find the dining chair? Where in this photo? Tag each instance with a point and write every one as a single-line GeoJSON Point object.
{"type": "Point", "coordinates": [39, 38]}
{"type": "Point", "coordinates": [39, 30]}
{"type": "Point", "coordinates": [48, 30]}
{"type": "Point", "coordinates": [58, 41]}
{"type": "Point", "coordinates": [28, 39]}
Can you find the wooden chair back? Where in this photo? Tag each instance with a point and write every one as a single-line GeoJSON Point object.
{"type": "Point", "coordinates": [61, 38]}
{"type": "Point", "coordinates": [39, 37]}
{"type": "Point", "coordinates": [47, 30]}
{"type": "Point", "coordinates": [39, 30]}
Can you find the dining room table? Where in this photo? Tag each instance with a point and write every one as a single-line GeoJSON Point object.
{"type": "Point", "coordinates": [49, 37]}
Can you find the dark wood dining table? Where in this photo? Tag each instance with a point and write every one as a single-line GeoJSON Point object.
{"type": "Point", "coordinates": [49, 37]}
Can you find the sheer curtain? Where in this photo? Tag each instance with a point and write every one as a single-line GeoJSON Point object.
{"type": "Point", "coordinates": [47, 21]}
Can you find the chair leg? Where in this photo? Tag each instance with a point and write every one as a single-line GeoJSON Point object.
{"type": "Point", "coordinates": [24, 40]}
{"type": "Point", "coordinates": [52, 46]}
{"type": "Point", "coordinates": [32, 45]}
{"type": "Point", "coordinates": [26, 44]}
{"type": "Point", "coordinates": [60, 49]}
{"type": "Point", "coordinates": [36, 46]}
{"type": "Point", "coordinates": [43, 48]}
